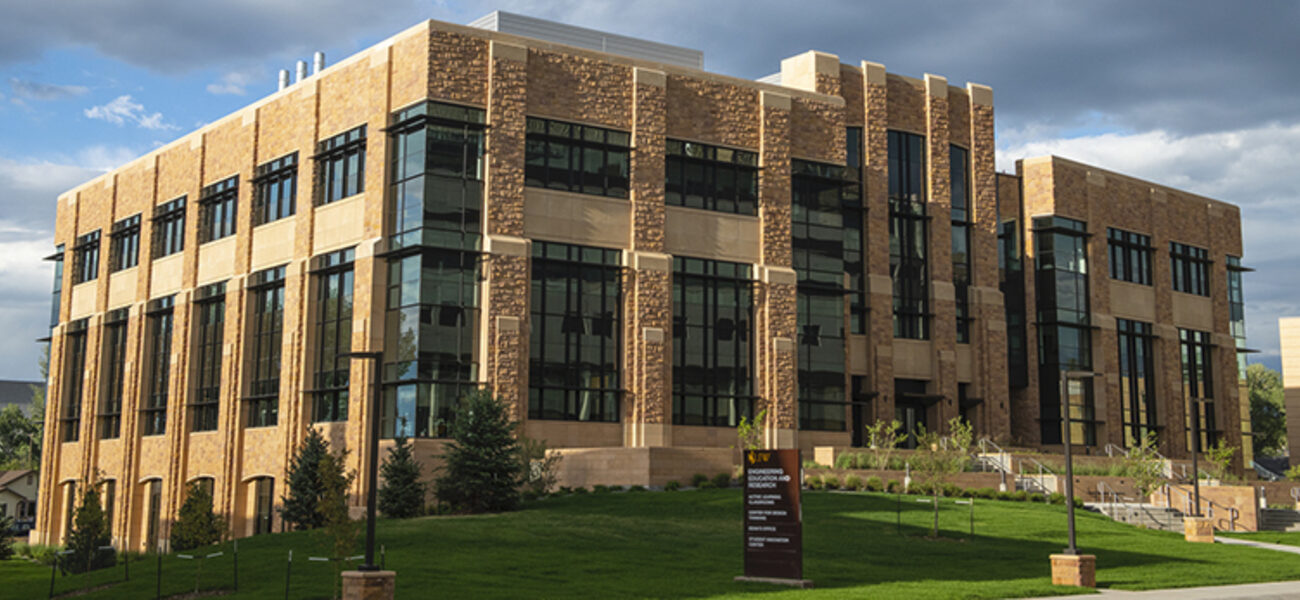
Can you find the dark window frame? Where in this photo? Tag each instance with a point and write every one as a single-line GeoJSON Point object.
{"type": "Point", "coordinates": [1137, 380]}
{"type": "Point", "coordinates": [437, 154]}
{"type": "Point", "coordinates": [341, 166]}
{"type": "Point", "coordinates": [962, 263]}
{"type": "Point", "coordinates": [909, 235]}
{"type": "Point", "coordinates": [75, 337]}
{"type": "Point", "coordinates": [333, 277]}
{"type": "Point", "coordinates": [1190, 268]}
{"type": "Point", "coordinates": [705, 392]}
{"type": "Point", "coordinates": [1196, 353]}
{"type": "Point", "coordinates": [712, 167]}
{"type": "Point", "coordinates": [266, 291]}
{"type": "Point", "coordinates": [160, 321]}
{"type": "Point", "coordinates": [1129, 254]}
{"type": "Point", "coordinates": [577, 158]}
{"type": "Point", "coordinates": [275, 189]}
{"type": "Point", "coordinates": [168, 228]}
{"type": "Point", "coordinates": [85, 257]}
{"type": "Point", "coordinates": [219, 210]}
{"type": "Point", "coordinates": [124, 248]}
{"type": "Point", "coordinates": [210, 324]}
{"type": "Point", "coordinates": [110, 405]}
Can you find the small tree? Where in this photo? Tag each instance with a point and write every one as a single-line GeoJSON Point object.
{"type": "Point", "coordinates": [1143, 465]}
{"type": "Point", "coordinates": [401, 495]}
{"type": "Point", "coordinates": [305, 489]}
{"type": "Point", "coordinates": [939, 456]}
{"type": "Point", "coordinates": [333, 509]}
{"type": "Point", "coordinates": [541, 468]}
{"type": "Point", "coordinates": [89, 537]}
{"type": "Point", "coordinates": [197, 525]}
{"type": "Point", "coordinates": [482, 472]}
{"type": "Point", "coordinates": [750, 433]}
{"type": "Point", "coordinates": [6, 541]}
{"type": "Point", "coordinates": [1220, 458]}
{"type": "Point", "coordinates": [883, 440]}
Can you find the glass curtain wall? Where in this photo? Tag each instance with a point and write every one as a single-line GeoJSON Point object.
{"type": "Point", "coordinates": [1064, 330]}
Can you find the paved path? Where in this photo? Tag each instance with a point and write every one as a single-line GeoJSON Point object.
{"type": "Point", "coordinates": [1264, 545]}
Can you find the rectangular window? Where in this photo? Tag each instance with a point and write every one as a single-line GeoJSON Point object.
{"type": "Point", "coordinates": [74, 377]}
{"type": "Point", "coordinates": [430, 340]}
{"type": "Point", "coordinates": [154, 413]}
{"type": "Point", "coordinates": [713, 355]}
{"type": "Point", "coordinates": [577, 158]}
{"type": "Point", "coordinates": [575, 334]}
{"type": "Point", "coordinates": [1064, 330]}
{"type": "Point", "coordinates": [1130, 256]}
{"type": "Point", "coordinates": [711, 177]}
{"type": "Point", "coordinates": [57, 289]}
{"type": "Point", "coordinates": [1237, 311]}
{"type": "Point", "coordinates": [266, 289]}
{"type": "Point", "coordinates": [263, 504]}
{"type": "Point", "coordinates": [341, 166]}
{"type": "Point", "coordinates": [124, 251]}
{"type": "Point", "coordinates": [333, 275]}
{"type": "Point", "coordinates": [908, 236]}
{"type": "Point", "coordinates": [110, 404]}
{"type": "Point", "coordinates": [437, 174]}
{"type": "Point", "coordinates": [275, 189]}
{"type": "Point", "coordinates": [959, 176]}
{"type": "Point", "coordinates": [154, 519]}
{"type": "Point", "coordinates": [85, 258]}
{"type": "Point", "coordinates": [1191, 268]}
{"type": "Point", "coordinates": [109, 494]}
{"type": "Point", "coordinates": [1012, 284]}
{"type": "Point", "coordinates": [1198, 387]}
{"type": "Point", "coordinates": [210, 321]}
{"type": "Point", "coordinates": [1137, 382]}
{"type": "Point", "coordinates": [169, 228]}
{"type": "Point", "coordinates": [217, 206]}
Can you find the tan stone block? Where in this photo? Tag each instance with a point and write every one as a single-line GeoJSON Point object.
{"type": "Point", "coordinates": [1079, 570]}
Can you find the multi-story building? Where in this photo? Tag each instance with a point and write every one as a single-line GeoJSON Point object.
{"type": "Point", "coordinates": [1289, 336]}
{"type": "Point", "coordinates": [631, 252]}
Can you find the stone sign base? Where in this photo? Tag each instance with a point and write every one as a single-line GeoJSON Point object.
{"type": "Point", "coordinates": [798, 583]}
{"type": "Point", "coordinates": [1079, 570]}
{"type": "Point", "coordinates": [369, 585]}
{"type": "Point", "coordinates": [1198, 529]}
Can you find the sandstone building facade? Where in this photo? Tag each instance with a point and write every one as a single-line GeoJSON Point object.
{"type": "Point", "coordinates": [633, 254]}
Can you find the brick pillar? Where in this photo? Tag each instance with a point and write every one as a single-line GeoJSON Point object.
{"type": "Point", "coordinates": [943, 306]}
{"type": "Point", "coordinates": [875, 199]}
{"type": "Point", "coordinates": [775, 300]}
{"type": "Point", "coordinates": [505, 340]}
{"type": "Point", "coordinates": [648, 285]}
{"type": "Point", "coordinates": [987, 305]}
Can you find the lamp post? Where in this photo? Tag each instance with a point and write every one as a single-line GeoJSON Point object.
{"type": "Point", "coordinates": [1066, 376]}
{"type": "Point", "coordinates": [372, 446]}
{"type": "Point", "coordinates": [1195, 403]}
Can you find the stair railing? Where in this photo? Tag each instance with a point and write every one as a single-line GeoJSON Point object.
{"type": "Point", "coordinates": [1041, 470]}
{"type": "Point", "coordinates": [1003, 469]}
{"type": "Point", "coordinates": [1233, 513]}
{"type": "Point", "coordinates": [1112, 450]}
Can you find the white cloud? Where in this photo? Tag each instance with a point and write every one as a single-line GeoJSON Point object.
{"type": "Point", "coordinates": [35, 90]}
{"type": "Point", "coordinates": [122, 110]}
{"type": "Point", "coordinates": [233, 83]}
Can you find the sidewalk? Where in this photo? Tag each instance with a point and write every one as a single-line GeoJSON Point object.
{"type": "Point", "coordinates": [1278, 590]}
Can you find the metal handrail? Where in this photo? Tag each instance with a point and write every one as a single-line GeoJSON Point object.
{"type": "Point", "coordinates": [1111, 449]}
{"type": "Point", "coordinates": [1041, 469]}
{"type": "Point", "coordinates": [1233, 513]}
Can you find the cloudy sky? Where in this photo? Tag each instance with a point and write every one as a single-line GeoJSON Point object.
{"type": "Point", "coordinates": [1203, 96]}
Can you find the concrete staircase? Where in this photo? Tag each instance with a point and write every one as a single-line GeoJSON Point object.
{"type": "Point", "coordinates": [1150, 516]}
{"type": "Point", "coordinates": [1274, 519]}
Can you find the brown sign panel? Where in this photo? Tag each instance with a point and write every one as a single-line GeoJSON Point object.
{"type": "Point", "coordinates": [773, 517]}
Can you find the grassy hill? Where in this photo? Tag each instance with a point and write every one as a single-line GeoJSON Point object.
{"type": "Point", "coordinates": [688, 545]}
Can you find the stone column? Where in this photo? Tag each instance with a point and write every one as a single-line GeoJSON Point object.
{"type": "Point", "coordinates": [943, 306]}
{"type": "Point", "coordinates": [875, 199]}
{"type": "Point", "coordinates": [775, 300]}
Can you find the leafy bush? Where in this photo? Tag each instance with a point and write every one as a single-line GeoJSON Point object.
{"type": "Point", "coordinates": [706, 485]}
{"type": "Point", "coordinates": [722, 480]}
{"type": "Point", "coordinates": [672, 486]}
{"type": "Point", "coordinates": [812, 482]}
{"type": "Point", "coordinates": [600, 489]}
{"type": "Point", "coordinates": [541, 467]}
{"type": "Point", "coordinates": [1056, 498]}
{"type": "Point", "coordinates": [401, 495]}
{"type": "Point", "coordinates": [853, 482]}
{"type": "Point", "coordinates": [6, 542]}
{"type": "Point", "coordinates": [482, 472]}
{"type": "Point", "coordinates": [636, 488]}
{"type": "Point", "coordinates": [698, 478]}
{"type": "Point", "coordinates": [892, 485]}
{"type": "Point", "coordinates": [579, 490]}
{"type": "Point", "coordinates": [750, 433]}
{"type": "Point", "coordinates": [1020, 495]}
{"type": "Point", "coordinates": [830, 482]}
{"type": "Point", "coordinates": [874, 484]}
{"type": "Point", "coordinates": [1293, 473]}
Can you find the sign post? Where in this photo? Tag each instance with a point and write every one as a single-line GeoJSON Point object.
{"type": "Point", "coordinates": [773, 518]}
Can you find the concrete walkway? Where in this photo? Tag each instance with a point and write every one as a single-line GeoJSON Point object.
{"type": "Point", "coordinates": [1264, 545]}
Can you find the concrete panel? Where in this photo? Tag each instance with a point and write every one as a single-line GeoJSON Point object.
{"type": "Point", "coordinates": [1133, 301]}
{"type": "Point", "coordinates": [713, 235]}
{"type": "Point", "coordinates": [858, 364]}
{"type": "Point", "coordinates": [122, 287]}
{"type": "Point", "coordinates": [273, 244]}
{"type": "Point", "coordinates": [965, 368]}
{"type": "Point", "coordinates": [577, 218]}
{"type": "Point", "coordinates": [166, 276]}
{"type": "Point", "coordinates": [575, 434]}
{"type": "Point", "coordinates": [83, 299]}
{"type": "Point", "coordinates": [1193, 312]}
{"type": "Point", "coordinates": [338, 224]}
{"type": "Point", "coordinates": [216, 260]}
{"type": "Point", "coordinates": [912, 359]}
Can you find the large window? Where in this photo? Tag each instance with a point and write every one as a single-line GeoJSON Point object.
{"type": "Point", "coordinates": [263, 504]}
{"type": "Point", "coordinates": [713, 304]}
{"type": "Point", "coordinates": [437, 174]}
{"type": "Point", "coordinates": [1191, 268]}
{"type": "Point", "coordinates": [85, 258]}
{"type": "Point", "coordinates": [710, 177]}
{"type": "Point", "coordinates": [826, 237]}
{"type": "Point", "coordinates": [153, 527]}
{"type": "Point", "coordinates": [1237, 311]}
{"type": "Point", "coordinates": [56, 292]}
{"type": "Point", "coordinates": [263, 402]}
{"type": "Point", "coordinates": [169, 228]}
{"type": "Point", "coordinates": [341, 166]}
{"type": "Point", "coordinates": [1198, 387]}
{"type": "Point", "coordinates": [1064, 326]}
{"type": "Point", "coordinates": [73, 377]}
{"type": "Point", "coordinates": [275, 189]}
{"type": "Point", "coordinates": [907, 236]}
{"type": "Point", "coordinates": [575, 350]}
{"type": "Point", "coordinates": [124, 252]}
{"type": "Point", "coordinates": [1137, 383]}
{"type": "Point", "coordinates": [210, 322]}
{"type": "Point", "coordinates": [959, 175]}
{"type": "Point", "coordinates": [110, 404]}
{"type": "Point", "coordinates": [577, 158]}
{"type": "Point", "coordinates": [429, 340]}
{"type": "Point", "coordinates": [153, 415]}
{"type": "Point", "coordinates": [1130, 256]}
{"type": "Point", "coordinates": [333, 275]}
{"type": "Point", "coordinates": [217, 205]}
{"type": "Point", "coordinates": [1011, 282]}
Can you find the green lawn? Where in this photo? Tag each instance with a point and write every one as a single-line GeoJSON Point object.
{"type": "Point", "coordinates": [688, 545]}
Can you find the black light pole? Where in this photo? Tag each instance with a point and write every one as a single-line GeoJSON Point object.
{"type": "Point", "coordinates": [372, 446]}
{"type": "Point", "coordinates": [1066, 376]}
{"type": "Point", "coordinates": [1195, 405]}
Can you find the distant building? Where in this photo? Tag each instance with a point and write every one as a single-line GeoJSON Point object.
{"type": "Point", "coordinates": [632, 252]}
{"type": "Point", "coordinates": [18, 498]}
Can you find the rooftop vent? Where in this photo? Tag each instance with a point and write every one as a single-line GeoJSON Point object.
{"type": "Point", "coordinates": [590, 39]}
